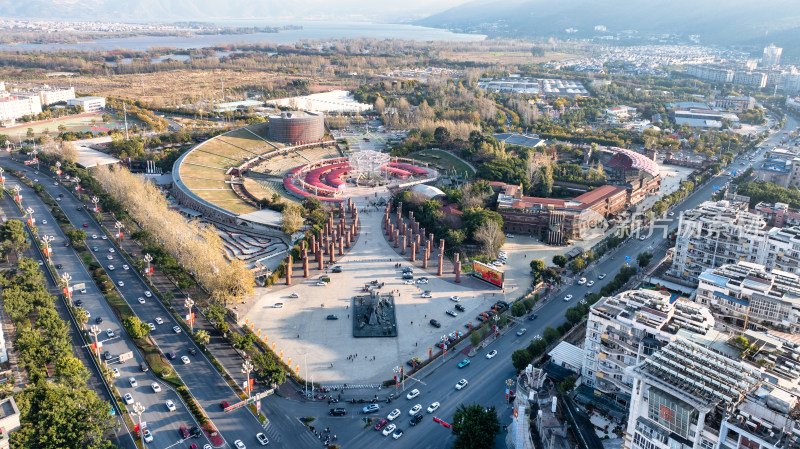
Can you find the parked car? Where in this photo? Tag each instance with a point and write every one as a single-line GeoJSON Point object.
{"type": "Point", "coordinates": [332, 317]}
{"type": "Point", "coordinates": [451, 312]}
{"type": "Point", "coordinates": [460, 308]}
{"type": "Point", "coordinates": [435, 323]}
{"type": "Point", "coordinates": [521, 332]}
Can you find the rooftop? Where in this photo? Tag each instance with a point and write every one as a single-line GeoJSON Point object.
{"type": "Point", "coordinates": [631, 160]}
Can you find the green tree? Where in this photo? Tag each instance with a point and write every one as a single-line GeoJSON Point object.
{"type": "Point", "coordinates": [291, 218]}
{"type": "Point", "coordinates": [577, 264]}
{"type": "Point", "coordinates": [136, 328]}
{"type": "Point", "coordinates": [76, 236]}
{"type": "Point", "coordinates": [475, 426]}
{"type": "Point", "coordinates": [536, 347]}
{"type": "Point", "coordinates": [216, 312]}
{"type": "Point", "coordinates": [54, 416]}
{"type": "Point", "coordinates": [574, 315]}
{"type": "Point", "coordinates": [106, 118]}
{"type": "Point", "coordinates": [81, 316]}
{"type": "Point", "coordinates": [442, 136]}
{"type": "Point", "coordinates": [14, 238]}
{"type": "Point", "coordinates": [644, 259]}
{"type": "Point", "coordinates": [550, 334]}
{"type": "Point", "coordinates": [659, 207]}
{"type": "Point", "coordinates": [520, 359]}
{"type": "Point", "coordinates": [518, 309]}
{"type": "Point", "coordinates": [71, 372]}
{"type": "Point", "coordinates": [537, 266]}
{"type": "Point", "coordinates": [311, 204]}
{"type": "Point", "coordinates": [560, 260]}
{"type": "Point", "coordinates": [566, 385]}
{"type": "Point", "coordinates": [243, 342]}
{"type": "Point", "coordinates": [29, 133]}
{"type": "Point", "coordinates": [201, 337]}
{"type": "Point", "coordinates": [475, 338]}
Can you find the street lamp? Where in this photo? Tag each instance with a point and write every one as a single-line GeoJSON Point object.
{"type": "Point", "coordinates": [2, 178]}
{"type": "Point", "coordinates": [30, 212]}
{"type": "Point", "coordinates": [138, 408]}
{"type": "Point", "coordinates": [398, 371]}
{"type": "Point", "coordinates": [148, 258]}
{"type": "Point", "coordinates": [247, 367]}
{"type": "Point", "coordinates": [189, 303]}
{"type": "Point", "coordinates": [17, 197]}
{"type": "Point", "coordinates": [94, 331]}
{"type": "Point", "coordinates": [95, 200]}
{"type": "Point", "coordinates": [509, 383]}
{"type": "Point", "coordinates": [48, 251]}
{"type": "Point", "coordinates": [119, 227]}
{"type": "Point", "coordinates": [65, 278]}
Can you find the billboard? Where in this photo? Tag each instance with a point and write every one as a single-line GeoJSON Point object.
{"type": "Point", "coordinates": [488, 273]}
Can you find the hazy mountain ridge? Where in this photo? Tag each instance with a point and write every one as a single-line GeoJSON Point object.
{"type": "Point", "coordinates": [729, 22]}
{"type": "Point", "coordinates": [210, 11]}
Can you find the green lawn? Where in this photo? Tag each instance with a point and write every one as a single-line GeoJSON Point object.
{"type": "Point", "coordinates": [443, 160]}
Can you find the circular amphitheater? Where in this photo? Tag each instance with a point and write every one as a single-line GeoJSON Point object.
{"type": "Point", "coordinates": [223, 179]}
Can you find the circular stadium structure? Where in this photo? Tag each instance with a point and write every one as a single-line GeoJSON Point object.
{"type": "Point", "coordinates": [297, 127]}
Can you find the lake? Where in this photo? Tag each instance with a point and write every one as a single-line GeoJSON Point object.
{"type": "Point", "coordinates": [314, 31]}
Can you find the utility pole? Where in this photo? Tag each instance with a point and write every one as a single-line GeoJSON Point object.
{"type": "Point", "coordinates": [125, 115]}
{"type": "Point", "coordinates": [222, 81]}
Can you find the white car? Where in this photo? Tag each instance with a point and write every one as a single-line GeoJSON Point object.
{"type": "Point", "coordinates": [94, 236]}
{"type": "Point", "coordinates": [159, 320]}
{"type": "Point", "coordinates": [148, 294]}
{"type": "Point", "coordinates": [110, 257]}
{"type": "Point", "coordinates": [262, 439]}
{"type": "Point", "coordinates": [141, 300]}
{"type": "Point", "coordinates": [115, 372]}
{"type": "Point", "coordinates": [111, 268]}
{"type": "Point", "coordinates": [397, 434]}
{"type": "Point", "coordinates": [104, 238]}
{"type": "Point", "coordinates": [491, 354]}
{"type": "Point", "coordinates": [567, 298]}
{"type": "Point", "coordinates": [156, 387]}
{"type": "Point", "coordinates": [177, 330]}
{"type": "Point", "coordinates": [412, 394]}
{"type": "Point", "coordinates": [132, 381]}
{"type": "Point", "coordinates": [83, 290]}
{"type": "Point", "coordinates": [111, 250]}
{"type": "Point", "coordinates": [44, 221]}
{"type": "Point", "coordinates": [407, 282]}
{"type": "Point", "coordinates": [128, 398]}
{"type": "Point", "coordinates": [426, 294]}
{"type": "Point", "coordinates": [110, 333]}
{"type": "Point", "coordinates": [581, 281]}
{"type": "Point", "coordinates": [121, 284]}
{"type": "Point", "coordinates": [590, 283]}
{"type": "Point", "coordinates": [322, 283]}
{"type": "Point", "coordinates": [433, 407]}
{"type": "Point", "coordinates": [671, 214]}
{"type": "Point", "coordinates": [151, 326]}
{"type": "Point", "coordinates": [394, 414]}
{"type": "Point", "coordinates": [461, 384]}
{"type": "Point", "coordinates": [170, 405]}
{"type": "Point", "coordinates": [125, 267]}
{"type": "Point", "coordinates": [642, 238]}
{"type": "Point", "coordinates": [422, 281]}
{"type": "Point", "coordinates": [239, 444]}
{"type": "Point", "coordinates": [509, 236]}
{"type": "Point", "coordinates": [148, 437]}
{"type": "Point", "coordinates": [185, 360]}
{"type": "Point", "coordinates": [415, 409]}
{"type": "Point", "coordinates": [602, 276]}
{"type": "Point", "coordinates": [389, 429]}
{"type": "Point", "coordinates": [455, 298]}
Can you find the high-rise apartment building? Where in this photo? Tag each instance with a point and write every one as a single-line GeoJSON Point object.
{"type": "Point", "coordinates": [771, 56]}
{"type": "Point", "coordinates": [715, 234]}
{"type": "Point", "coordinates": [623, 330]}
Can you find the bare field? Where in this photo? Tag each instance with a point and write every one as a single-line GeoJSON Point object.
{"type": "Point", "coordinates": [212, 160]}
{"type": "Point", "coordinates": [194, 183]}
{"type": "Point", "coordinates": [201, 172]}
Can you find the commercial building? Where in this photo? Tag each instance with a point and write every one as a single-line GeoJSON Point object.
{"type": "Point", "coordinates": [14, 107]}
{"type": "Point", "coordinates": [790, 82]}
{"type": "Point", "coordinates": [555, 221]}
{"type": "Point", "coordinates": [748, 78]}
{"type": "Point", "coordinates": [534, 86]}
{"type": "Point", "coordinates": [782, 249]}
{"type": "Point", "coordinates": [715, 234]}
{"type": "Point", "coordinates": [89, 104]}
{"type": "Point", "coordinates": [737, 104]}
{"type": "Point", "coordinates": [750, 296]}
{"type": "Point", "coordinates": [297, 127]}
{"type": "Point", "coordinates": [49, 95]}
{"type": "Point", "coordinates": [771, 56]}
{"type": "Point", "coordinates": [704, 118]}
{"type": "Point", "coordinates": [683, 393]}
{"type": "Point", "coordinates": [623, 330]}
{"type": "Point", "coordinates": [9, 421]}
{"type": "Point", "coordinates": [780, 170]}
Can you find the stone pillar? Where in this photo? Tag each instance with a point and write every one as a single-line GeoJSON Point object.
{"type": "Point", "coordinates": [457, 267]}
{"type": "Point", "coordinates": [319, 259]}
{"type": "Point", "coordinates": [411, 216]}
{"type": "Point", "coordinates": [441, 257]}
{"type": "Point", "coordinates": [403, 247]}
{"type": "Point", "coordinates": [417, 239]}
{"type": "Point", "coordinates": [396, 238]}
{"type": "Point", "coordinates": [332, 257]}
{"type": "Point", "coordinates": [413, 252]}
{"type": "Point", "coordinates": [313, 242]}
{"type": "Point", "coordinates": [289, 269]}
{"type": "Point", "coordinates": [410, 236]}
{"type": "Point", "coordinates": [302, 245]}
{"type": "Point", "coordinates": [305, 263]}
{"type": "Point", "coordinates": [425, 259]}
{"type": "Point", "coordinates": [341, 245]}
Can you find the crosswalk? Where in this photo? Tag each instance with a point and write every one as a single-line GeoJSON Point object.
{"type": "Point", "coordinates": [351, 386]}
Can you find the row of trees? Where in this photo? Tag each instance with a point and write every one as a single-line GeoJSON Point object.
{"type": "Point", "coordinates": [196, 246]}
{"type": "Point", "coordinates": [60, 412]}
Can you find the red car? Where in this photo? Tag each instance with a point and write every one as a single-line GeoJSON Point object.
{"type": "Point", "coordinates": [86, 225]}
{"type": "Point", "coordinates": [184, 431]}
{"type": "Point", "coordinates": [380, 424]}
{"type": "Point", "coordinates": [224, 404]}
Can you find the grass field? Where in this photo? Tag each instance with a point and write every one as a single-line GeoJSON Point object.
{"type": "Point", "coordinates": [443, 161]}
{"type": "Point", "coordinates": [77, 123]}
{"type": "Point", "coordinates": [194, 183]}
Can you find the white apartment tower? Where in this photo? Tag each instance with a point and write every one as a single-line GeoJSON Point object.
{"type": "Point", "coordinates": [623, 330]}
{"type": "Point", "coordinates": [715, 234]}
{"type": "Point", "coordinates": [771, 56]}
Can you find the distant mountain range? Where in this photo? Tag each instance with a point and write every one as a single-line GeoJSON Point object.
{"type": "Point", "coordinates": [728, 22]}
{"type": "Point", "coordinates": [212, 10]}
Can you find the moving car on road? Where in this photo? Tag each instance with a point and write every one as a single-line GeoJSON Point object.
{"type": "Point", "coordinates": [491, 354]}
{"type": "Point", "coordinates": [461, 384]}
{"type": "Point", "coordinates": [433, 407]}
{"type": "Point", "coordinates": [412, 394]}
{"type": "Point", "coordinates": [415, 409]}
{"type": "Point", "coordinates": [463, 363]}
